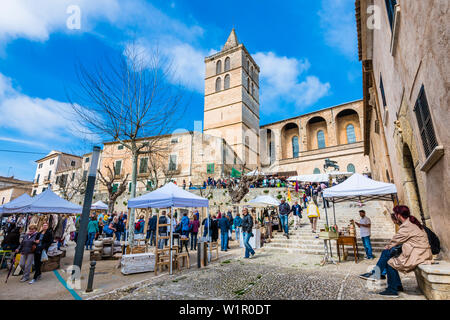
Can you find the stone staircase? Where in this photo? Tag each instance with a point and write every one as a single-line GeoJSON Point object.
{"type": "Point", "coordinates": [303, 241]}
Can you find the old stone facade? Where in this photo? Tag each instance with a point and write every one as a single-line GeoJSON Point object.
{"type": "Point", "coordinates": [300, 145]}
{"type": "Point", "coordinates": [403, 46]}
{"type": "Point", "coordinates": [11, 188]}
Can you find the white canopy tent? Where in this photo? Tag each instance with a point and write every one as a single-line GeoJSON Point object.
{"type": "Point", "coordinates": [170, 196]}
{"type": "Point", "coordinates": [46, 202]}
{"type": "Point", "coordinates": [19, 199]}
{"type": "Point", "coordinates": [320, 177]}
{"type": "Point", "coordinates": [99, 205]}
{"type": "Point", "coordinates": [255, 173]}
{"type": "Point", "coordinates": [359, 188]}
{"type": "Point", "coordinates": [264, 201]}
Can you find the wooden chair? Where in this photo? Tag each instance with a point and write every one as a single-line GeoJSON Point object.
{"type": "Point", "coordinates": [184, 258]}
{"type": "Point", "coordinates": [215, 246]}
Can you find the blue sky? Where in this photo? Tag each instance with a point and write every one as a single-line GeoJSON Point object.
{"type": "Point", "coordinates": [307, 52]}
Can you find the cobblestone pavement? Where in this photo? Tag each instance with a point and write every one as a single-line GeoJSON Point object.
{"type": "Point", "coordinates": [264, 277]}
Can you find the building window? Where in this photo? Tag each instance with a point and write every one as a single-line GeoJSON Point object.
{"type": "Point", "coordinates": [120, 147]}
{"type": "Point", "coordinates": [316, 171]}
{"type": "Point", "coordinates": [390, 8]}
{"type": "Point", "coordinates": [351, 168]}
{"type": "Point", "coordinates": [173, 162]}
{"type": "Point", "coordinates": [226, 83]}
{"type": "Point", "coordinates": [52, 161]}
{"type": "Point", "coordinates": [383, 95]}
{"type": "Point", "coordinates": [40, 166]}
{"type": "Point", "coordinates": [210, 168]}
{"type": "Point", "coordinates": [57, 180]}
{"type": "Point", "coordinates": [129, 187]}
{"type": "Point", "coordinates": [49, 175]}
{"type": "Point", "coordinates": [143, 165]}
{"type": "Point", "coordinates": [351, 138]}
{"type": "Point", "coordinates": [251, 71]}
{"type": "Point", "coordinates": [219, 67]}
{"type": "Point", "coordinates": [34, 192]}
{"type": "Point", "coordinates": [227, 64]}
{"type": "Point", "coordinates": [117, 167]}
{"type": "Point", "coordinates": [253, 90]}
{"type": "Point", "coordinates": [377, 126]}
{"type": "Point", "coordinates": [425, 123]}
{"type": "Point", "coordinates": [320, 139]}
{"type": "Point", "coordinates": [86, 160]}
{"type": "Point", "coordinates": [84, 175]}
{"type": "Point", "coordinates": [115, 187]}
{"type": "Point", "coordinates": [218, 84]}
{"type": "Point", "coordinates": [174, 140]}
{"type": "Point", "coordinates": [73, 176]}
{"type": "Point", "coordinates": [295, 147]}
{"type": "Point", "coordinates": [37, 179]}
{"type": "Point", "coordinates": [248, 85]}
{"type": "Point", "coordinates": [72, 164]}
{"type": "Point", "coordinates": [43, 189]}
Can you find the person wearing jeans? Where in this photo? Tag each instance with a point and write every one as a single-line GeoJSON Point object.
{"type": "Point", "coordinates": [224, 226]}
{"type": "Point", "coordinates": [247, 227]}
{"type": "Point", "coordinates": [92, 230]}
{"type": "Point", "coordinates": [415, 250]}
{"type": "Point", "coordinates": [364, 226]}
{"type": "Point", "coordinates": [284, 210]}
{"type": "Point", "coordinates": [237, 222]}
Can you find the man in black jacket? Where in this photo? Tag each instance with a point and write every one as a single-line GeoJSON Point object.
{"type": "Point", "coordinates": [284, 210]}
{"type": "Point", "coordinates": [151, 232]}
{"type": "Point", "coordinates": [247, 227]}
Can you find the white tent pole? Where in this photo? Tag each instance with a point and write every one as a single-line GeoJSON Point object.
{"type": "Point", "coordinates": [170, 240]}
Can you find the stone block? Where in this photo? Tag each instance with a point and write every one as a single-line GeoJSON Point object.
{"type": "Point", "coordinates": [434, 280]}
{"type": "Point", "coordinates": [137, 263]}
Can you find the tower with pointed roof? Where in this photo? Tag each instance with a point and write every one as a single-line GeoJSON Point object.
{"type": "Point", "coordinates": [232, 99]}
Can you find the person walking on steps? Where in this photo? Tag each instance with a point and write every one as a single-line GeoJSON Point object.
{"type": "Point", "coordinates": [247, 227]}
{"type": "Point", "coordinates": [284, 210]}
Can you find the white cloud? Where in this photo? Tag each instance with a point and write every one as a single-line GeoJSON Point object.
{"type": "Point", "coordinates": [280, 82]}
{"type": "Point", "coordinates": [35, 118]}
{"type": "Point", "coordinates": [35, 20]}
{"type": "Point", "coordinates": [337, 20]}
{"type": "Point", "coordinates": [31, 142]}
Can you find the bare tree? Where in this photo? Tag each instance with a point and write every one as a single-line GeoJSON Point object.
{"type": "Point", "coordinates": [109, 181]}
{"type": "Point", "coordinates": [68, 188]}
{"type": "Point", "coordinates": [126, 100]}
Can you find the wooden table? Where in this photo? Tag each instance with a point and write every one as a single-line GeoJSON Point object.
{"type": "Point", "coordinates": [347, 241]}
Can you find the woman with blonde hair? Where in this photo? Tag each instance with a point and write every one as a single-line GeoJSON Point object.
{"type": "Point", "coordinates": [26, 250]}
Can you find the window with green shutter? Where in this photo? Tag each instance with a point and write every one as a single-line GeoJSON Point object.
{"type": "Point", "coordinates": [149, 185]}
{"type": "Point", "coordinates": [425, 123]}
{"type": "Point", "coordinates": [129, 187]}
{"type": "Point", "coordinates": [117, 167]}
{"type": "Point", "coordinates": [143, 165]}
{"type": "Point", "coordinates": [210, 168]}
{"type": "Point", "coordinates": [115, 187]}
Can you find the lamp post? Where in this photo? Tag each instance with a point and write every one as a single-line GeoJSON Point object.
{"type": "Point", "coordinates": [84, 220]}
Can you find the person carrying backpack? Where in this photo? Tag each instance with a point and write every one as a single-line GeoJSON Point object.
{"type": "Point", "coordinates": [139, 225]}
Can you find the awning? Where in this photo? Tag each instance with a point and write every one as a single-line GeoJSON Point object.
{"type": "Point", "coordinates": [359, 187]}
{"type": "Point", "coordinates": [320, 177]}
{"type": "Point", "coordinates": [46, 202]}
{"type": "Point", "coordinates": [23, 197]}
{"type": "Point", "coordinates": [99, 205]}
{"type": "Point", "coordinates": [264, 201]}
{"type": "Point", "coordinates": [168, 196]}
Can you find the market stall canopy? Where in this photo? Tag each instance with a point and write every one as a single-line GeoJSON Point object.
{"type": "Point", "coordinates": [255, 173]}
{"type": "Point", "coordinates": [46, 202]}
{"type": "Point", "coordinates": [264, 201]}
{"type": "Point", "coordinates": [168, 196]}
{"type": "Point", "coordinates": [23, 197]}
{"type": "Point", "coordinates": [99, 205]}
{"type": "Point", "coordinates": [359, 187]}
{"type": "Point", "coordinates": [321, 177]}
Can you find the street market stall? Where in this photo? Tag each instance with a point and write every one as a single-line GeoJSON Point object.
{"type": "Point", "coordinates": [19, 199]}
{"type": "Point", "coordinates": [356, 188]}
{"type": "Point", "coordinates": [47, 207]}
{"type": "Point", "coordinates": [320, 177]}
{"type": "Point", "coordinates": [169, 196]}
{"type": "Point", "coordinates": [99, 205]}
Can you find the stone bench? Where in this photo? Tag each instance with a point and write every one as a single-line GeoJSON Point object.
{"type": "Point", "coordinates": [434, 280]}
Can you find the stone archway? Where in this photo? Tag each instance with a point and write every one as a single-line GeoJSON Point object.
{"type": "Point", "coordinates": [410, 184]}
{"type": "Point", "coordinates": [344, 119]}
{"type": "Point", "coordinates": [313, 126]}
{"type": "Point", "coordinates": [288, 132]}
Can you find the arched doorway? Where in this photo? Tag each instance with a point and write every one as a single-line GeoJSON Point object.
{"type": "Point", "coordinates": [410, 185]}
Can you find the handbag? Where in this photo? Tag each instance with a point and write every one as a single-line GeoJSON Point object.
{"type": "Point", "coordinates": [44, 256]}
{"type": "Point", "coordinates": [33, 248]}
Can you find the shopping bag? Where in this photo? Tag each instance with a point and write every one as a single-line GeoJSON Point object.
{"type": "Point", "coordinates": [44, 256]}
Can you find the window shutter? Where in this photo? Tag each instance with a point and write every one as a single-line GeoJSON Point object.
{"type": "Point", "coordinates": [425, 123]}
